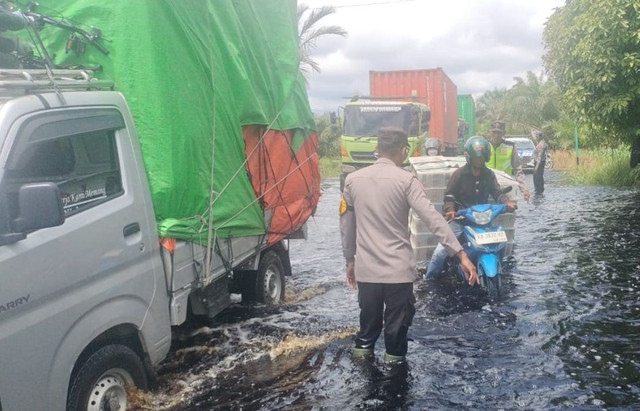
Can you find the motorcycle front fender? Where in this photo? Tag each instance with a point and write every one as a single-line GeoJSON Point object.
{"type": "Point", "coordinates": [489, 263]}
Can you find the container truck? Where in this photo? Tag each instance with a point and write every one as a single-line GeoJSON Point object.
{"type": "Point", "coordinates": [363, 118]}
{"type": "Point", "coordinates": [431, 87]}
{"type": "Point", "coordinates": [132, 197]}
{"type": "Point", "coordinates": [427, 93]}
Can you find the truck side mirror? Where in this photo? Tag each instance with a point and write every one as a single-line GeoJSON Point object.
{"type": "Point", "coordinates": [40, 206]}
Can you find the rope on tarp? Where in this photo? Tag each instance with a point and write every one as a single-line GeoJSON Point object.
{"type": "Point", "coordinates": [216, 195]}
{"type": "Point", "coordinates": [211, 233]}
{"type": "Point", "coordinates": [267, 191]}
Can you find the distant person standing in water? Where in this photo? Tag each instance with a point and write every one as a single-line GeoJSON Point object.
{"type": "Point", "coordinates": [540, 158]}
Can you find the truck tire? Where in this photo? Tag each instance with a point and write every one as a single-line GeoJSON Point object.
{"type": "Point", "coordinates": [100, 380]}
{"type": "Point", "coordinates": [267, 284]}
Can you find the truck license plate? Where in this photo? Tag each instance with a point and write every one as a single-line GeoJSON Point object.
{"type": "Point", "coordinates": [491, 237]}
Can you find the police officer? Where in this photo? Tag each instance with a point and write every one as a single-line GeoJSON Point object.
{"type": "Point", "coordinates": [505, 157]}
{"type": "Point", "coordinates": [374, 212]}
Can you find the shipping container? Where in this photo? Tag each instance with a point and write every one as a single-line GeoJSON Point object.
{"type": "Point", "coordinates": [466, 113]}
{"type": "Point", "coordinates": [429, 86]}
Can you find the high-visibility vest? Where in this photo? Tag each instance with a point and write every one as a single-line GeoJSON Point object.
{"type": "Point", "coordinates": [501, 158]}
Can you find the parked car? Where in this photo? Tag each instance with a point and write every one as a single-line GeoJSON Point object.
{"type": "Point", "coordinates": [526, 149]}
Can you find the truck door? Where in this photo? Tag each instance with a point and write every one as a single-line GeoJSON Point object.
{"type": "Point", "coordinates": [62, 286]}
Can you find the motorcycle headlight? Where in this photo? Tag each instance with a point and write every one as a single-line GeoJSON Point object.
{"type": "Point", "coordinates": [482, 217]}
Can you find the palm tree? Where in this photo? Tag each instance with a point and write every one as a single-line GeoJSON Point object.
{"type": "Point", "coordinates": [491, 106]}
{"type": "Point", "coordinates": [308, 34]}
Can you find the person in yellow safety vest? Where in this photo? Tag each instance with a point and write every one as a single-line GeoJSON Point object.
{"type": "Point", "coordinates": [505, 157]}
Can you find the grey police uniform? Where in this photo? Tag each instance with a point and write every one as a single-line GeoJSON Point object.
{"type": "Point", "coordinates": [374, 229]}
{"type": "Point", "coordinates": [375, 226]}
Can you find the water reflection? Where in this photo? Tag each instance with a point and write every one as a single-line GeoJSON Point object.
{"type": "Point", "coordinates": [563, 335]}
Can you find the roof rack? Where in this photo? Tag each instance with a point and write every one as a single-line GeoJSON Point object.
{"type": "Point", "coordinates": [39, 80]}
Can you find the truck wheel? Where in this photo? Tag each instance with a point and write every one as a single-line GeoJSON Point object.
{"type": "Point", "coordinates": [100, 381]}
{"type": "Point", "coordinates": [267, 284]}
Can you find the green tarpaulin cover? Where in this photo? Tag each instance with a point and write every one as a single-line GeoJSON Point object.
{"type": "Point", "coordinates": [194, 72]}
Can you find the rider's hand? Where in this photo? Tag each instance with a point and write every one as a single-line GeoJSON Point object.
{"type": "Point", "coordinates": [351, 275]}
{"type": "Point", "coordinates": [468, 268]}
{"type": "Point", "coordinates": [511, 205]}
{"type": "Point", "coordinates": [449, 215]}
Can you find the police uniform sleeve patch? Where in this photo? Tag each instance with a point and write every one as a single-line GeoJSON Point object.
{"type": "Point", "coordinates": [344, 207]}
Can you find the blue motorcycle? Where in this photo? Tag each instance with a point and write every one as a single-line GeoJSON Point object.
{"type": "Point", "coordinates": [484, 243]}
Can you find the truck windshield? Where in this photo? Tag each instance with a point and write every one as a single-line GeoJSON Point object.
{"type": "Point", "coordinates": [366, 120]}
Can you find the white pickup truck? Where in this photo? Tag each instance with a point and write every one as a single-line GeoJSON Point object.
{"type": "Point", "coordinates": [87, 294]}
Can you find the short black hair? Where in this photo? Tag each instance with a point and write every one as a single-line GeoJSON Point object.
{"type": "Point", "coordinates": [390, 138]}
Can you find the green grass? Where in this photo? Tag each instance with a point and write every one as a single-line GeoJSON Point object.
{"type": "Point", "coordinates": [609, 168]}
{"type": "Point", "coordinates": [329, 167]}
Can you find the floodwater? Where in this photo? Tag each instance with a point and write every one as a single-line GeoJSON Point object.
{"type": "Point", "coordinates": [564, 334]}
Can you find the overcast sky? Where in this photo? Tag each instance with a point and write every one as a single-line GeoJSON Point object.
{"type": "Point", "coordinates": [480, 44]}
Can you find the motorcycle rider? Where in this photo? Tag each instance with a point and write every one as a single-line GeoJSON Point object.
{"type": "Point", "coordinates": [432, 147]}
{"type": "Point", "coordinates": [470, 185]}
{"type": "Point", "coordinates": [505, 157]}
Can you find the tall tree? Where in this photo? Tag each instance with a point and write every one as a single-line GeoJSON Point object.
{"type": "Point", "coordinates": [531, 102]}
{"type": "Point", "coordinates": [491, 106]}
{"type": "Point", "coordinates": [592, 51]}
{"type": "Point", "coordinates": [309, 33]}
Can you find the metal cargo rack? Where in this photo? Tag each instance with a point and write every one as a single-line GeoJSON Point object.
{"type": "Point", "coordinates": [28, 81]}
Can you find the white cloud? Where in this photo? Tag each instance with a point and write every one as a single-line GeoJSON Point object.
{"type": "Point", "coordinates": [480, 44]}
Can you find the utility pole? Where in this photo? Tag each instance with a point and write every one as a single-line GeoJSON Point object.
{"type": "Point", "coordinates": [575, 137]}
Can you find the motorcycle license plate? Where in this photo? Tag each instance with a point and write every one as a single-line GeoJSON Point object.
{"type": "Point", "coordinates": [491, 237]}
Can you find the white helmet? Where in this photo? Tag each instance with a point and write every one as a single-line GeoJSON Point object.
{"type": "Point", "coordinates": [432, 146]}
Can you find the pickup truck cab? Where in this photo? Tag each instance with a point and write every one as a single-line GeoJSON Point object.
{"type": "Point", "coordinates": [87, 294]}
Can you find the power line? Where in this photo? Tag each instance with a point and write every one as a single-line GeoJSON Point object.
{"type": "Point", "coordinates": [369, 4]}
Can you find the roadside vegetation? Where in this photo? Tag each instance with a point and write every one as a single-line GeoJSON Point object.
{"type": "Point", "coordinates": [590, 89]}
{"type": "Point", "coordinates": [329, 167]}
{"type": "Point", "coordinates": [328, 145]}
{"type": "Point", "coordinates": [606, 167]}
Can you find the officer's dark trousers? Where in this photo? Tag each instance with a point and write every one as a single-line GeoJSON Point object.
{"type": "Point", "coordinates": [538, 179]}
{"type": "Point", "coordinates": [391, 303]}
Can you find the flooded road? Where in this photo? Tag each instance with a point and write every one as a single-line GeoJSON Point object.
{"type": "Point", "coordinates": [565, 334]}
